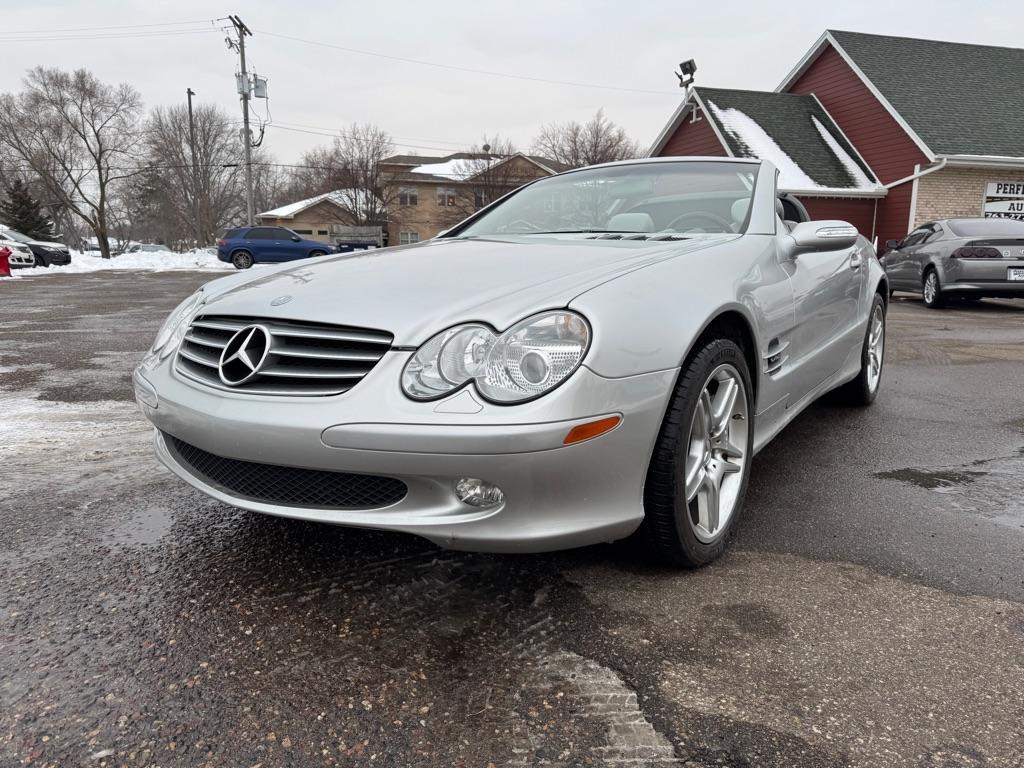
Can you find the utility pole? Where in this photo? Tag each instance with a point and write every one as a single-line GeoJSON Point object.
{"type": "Point", "coordinates": [245, 88]}
{"type": "Point", "coordinates": [200, 231]}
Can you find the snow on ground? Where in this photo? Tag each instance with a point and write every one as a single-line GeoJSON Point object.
{"type": "Point", "coordinates": [154, 261]}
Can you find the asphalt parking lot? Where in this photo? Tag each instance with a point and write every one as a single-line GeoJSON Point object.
{"type": "Point", "coordinates": [870, 611]}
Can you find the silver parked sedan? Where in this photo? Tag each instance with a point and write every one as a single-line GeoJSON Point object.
{"type": "Point", "coordinates": [596, 353]}
{"type": "Point", "coordinates": [959, 258]}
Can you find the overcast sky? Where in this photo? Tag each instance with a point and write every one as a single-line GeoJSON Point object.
{"type": "Point", "coordinates": [627, 45]}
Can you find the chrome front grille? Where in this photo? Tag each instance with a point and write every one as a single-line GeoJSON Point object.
{"type": "Point", "coordinates": [308, 359]}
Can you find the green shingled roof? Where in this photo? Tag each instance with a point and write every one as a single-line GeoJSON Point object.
{"type": "Point", "coordinates": [960, 99]}
{"type": "Point", "coordinates": [791, 122]}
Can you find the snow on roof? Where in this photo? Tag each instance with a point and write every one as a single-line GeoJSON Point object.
{"type": "Point", "coordinates": [449, 169]}
{"type": "Point", "coordinates": [762, 146]}
{"type": "Point", "coordinates": [341, 197]}
{"type": "Point", "coordinates": [852, 167]}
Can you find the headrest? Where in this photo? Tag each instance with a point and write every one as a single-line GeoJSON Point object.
{"type": "Point", "coordinates": [739, 210]}
{"type": "Point", "coordinates": [631, 222]}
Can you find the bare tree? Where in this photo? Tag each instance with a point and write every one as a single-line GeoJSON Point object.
{"type": "Point", "coordinates": [350, 169]}
{"type": "Point", "coordinates": [488, 174]}
{"type": "Point", "coordinates": [219, 185]}
{"type": "Point", "coordinates": [364, 189]}
{"type": "Point", "coordinates": [599, 140]}
{"type": "Point", "coordinates": [80, 137]}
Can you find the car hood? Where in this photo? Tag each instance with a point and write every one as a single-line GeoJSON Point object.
{"type": "Point", "coordinates": [416, 291]}
{"type": "Point", "coordinates": [47, 244]}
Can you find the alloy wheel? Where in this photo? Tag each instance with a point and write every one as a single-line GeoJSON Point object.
{"type": "Point", "coordinates": [876, 347]}
{"type": "Point", "coordinates": [716, 453]}
{"type": "Point", "coordinates": [931, 287]}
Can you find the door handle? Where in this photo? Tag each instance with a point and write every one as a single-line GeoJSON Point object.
{"type": "Point", "coordinates": [856, 260]}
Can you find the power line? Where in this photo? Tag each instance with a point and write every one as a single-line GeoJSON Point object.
{"type": "Point", "coordinates": [111, 36]}
{"type": "Point", "coordinates": [471, 70]}
{"type": "Point", "coordinates": [109, 26]}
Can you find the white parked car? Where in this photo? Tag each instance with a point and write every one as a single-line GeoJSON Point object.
{"type": "Point", "coordinates": [21, 254]}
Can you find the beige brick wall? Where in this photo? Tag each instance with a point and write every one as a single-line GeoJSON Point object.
{"type": "Point", "coordinates": [956, 192]}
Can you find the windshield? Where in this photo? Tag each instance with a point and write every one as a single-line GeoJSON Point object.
{"type": "Point", "coordinates": [691, 198]}
{"type": "Point", "coordinates": [15, 235]}
{"type": "Point", "coordinates": [987, 227]}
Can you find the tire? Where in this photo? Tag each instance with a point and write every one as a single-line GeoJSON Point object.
{"type": "Point", "coordinates": [40, 261]}
{"type": "Point", "coordinates": [678, 526]}
{"type": "Point", "coordinates": [314, 254]}
{"type": "Point", "coordinates": [931, 289]}
{"type": "Point", "coordinates": [241, 259]}
{"type": "Point", "coordinates": [863, 390]}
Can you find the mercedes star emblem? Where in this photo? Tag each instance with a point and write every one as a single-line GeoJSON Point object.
{"type": "Point", "coordinates": [244, 355]}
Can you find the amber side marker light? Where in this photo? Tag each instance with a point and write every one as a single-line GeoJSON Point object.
{"type": "Point", "coordinates": [591, 429]}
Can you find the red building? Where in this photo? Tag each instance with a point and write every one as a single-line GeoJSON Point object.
{"type": "Point", "coordinates": [883, 132]}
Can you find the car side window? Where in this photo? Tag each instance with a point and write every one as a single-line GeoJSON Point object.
{"type": "Point", "coordinates": [934, 235]}
{"type": "Point", "coordinates": [262, 233]}
{"type": "Point", "coordinates": [917, 236]}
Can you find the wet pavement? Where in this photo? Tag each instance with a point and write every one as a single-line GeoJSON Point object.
{"type": "Point", "coordinates": [869, 612]}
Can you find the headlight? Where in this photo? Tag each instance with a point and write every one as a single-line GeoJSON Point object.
{"type": "Point", "coordinates": [173, 329]}
{"type": "Point", "coordinates": [532, 357]}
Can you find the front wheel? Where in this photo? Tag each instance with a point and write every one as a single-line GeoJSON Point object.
{"type": "Point", "coordinates": [40, 261]}
{"type": "Point", "coordinates": [933, 298]}
{"type": "Point", "coordinates": [241, 259]}
{"type": "Point", "coordinates": [863, 389]}
{"type": "Point", "coordinates": [701, 461]}
{"type": "Point", "coordinates": [314, 254]}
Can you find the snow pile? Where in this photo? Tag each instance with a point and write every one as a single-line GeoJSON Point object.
{"type": "Point", "coordinates": [751, 135]}
{"type": "Point", "coordinates": [153, 261]}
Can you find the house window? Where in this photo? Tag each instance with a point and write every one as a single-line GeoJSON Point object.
{"type": "Point", "coordinates": [408, 238]}
{"type": "Point", "coordinates": [408, 196]}
{"type": "Point", "coordinates": [303, 231]}
{"type": "Point", "coordinates": [445, 197]}
{"type": "Point", "coordinates": [321, 231]}
{"type": "Point", "coordinates": [480, 198]}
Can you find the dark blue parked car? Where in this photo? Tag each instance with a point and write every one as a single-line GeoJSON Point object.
{"type": "Point", "coordinates": [244, 246]}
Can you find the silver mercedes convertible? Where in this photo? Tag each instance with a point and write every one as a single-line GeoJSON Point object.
{"type": "Point", "coordinates": [597, 354]}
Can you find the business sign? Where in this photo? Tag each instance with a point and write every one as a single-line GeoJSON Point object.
{"type": "Point", "coordinates": [1004, 200]}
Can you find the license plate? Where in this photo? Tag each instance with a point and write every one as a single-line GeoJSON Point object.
{"type": "Point", "coordinates": [1015, 273]}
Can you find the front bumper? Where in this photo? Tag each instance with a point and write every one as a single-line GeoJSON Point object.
{"type": "Point", "coordinates": [556, 496]}
{"type": "Point", "coordinates": [20, 259]}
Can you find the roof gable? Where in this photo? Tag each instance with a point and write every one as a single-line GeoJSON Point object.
{"type": "Point", "coordinates": [938, 90]}
{"type": "Point", "coordinates": [959, 98]}
{"type": "Point", "coordinates": [794, 132]}
{"type": "Point", "coordinates": [345, 199]}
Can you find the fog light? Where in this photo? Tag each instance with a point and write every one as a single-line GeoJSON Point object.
{"type": "Point", "coordinates": [478, 493]}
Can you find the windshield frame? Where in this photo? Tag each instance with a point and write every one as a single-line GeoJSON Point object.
{"type": "Point", "coordinates": [455, 233]}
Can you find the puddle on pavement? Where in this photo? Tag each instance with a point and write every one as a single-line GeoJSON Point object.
{"type": "Point", "coordinates": [932, 479]}
{"type": "Point", "coordinates": [147, 526]}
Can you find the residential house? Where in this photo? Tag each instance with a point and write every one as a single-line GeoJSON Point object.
{"type": "Point", "coordinates": [430, 194]}
{"type": "Point", "coordinates": [323, 217]}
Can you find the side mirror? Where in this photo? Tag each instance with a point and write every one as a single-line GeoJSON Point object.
{"type": "Point", "coordinates": [823, 236]}
{"type": "Point", "coordinates": [892, 245]}
{"type": "Point", "coordinates": [296, 239]}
